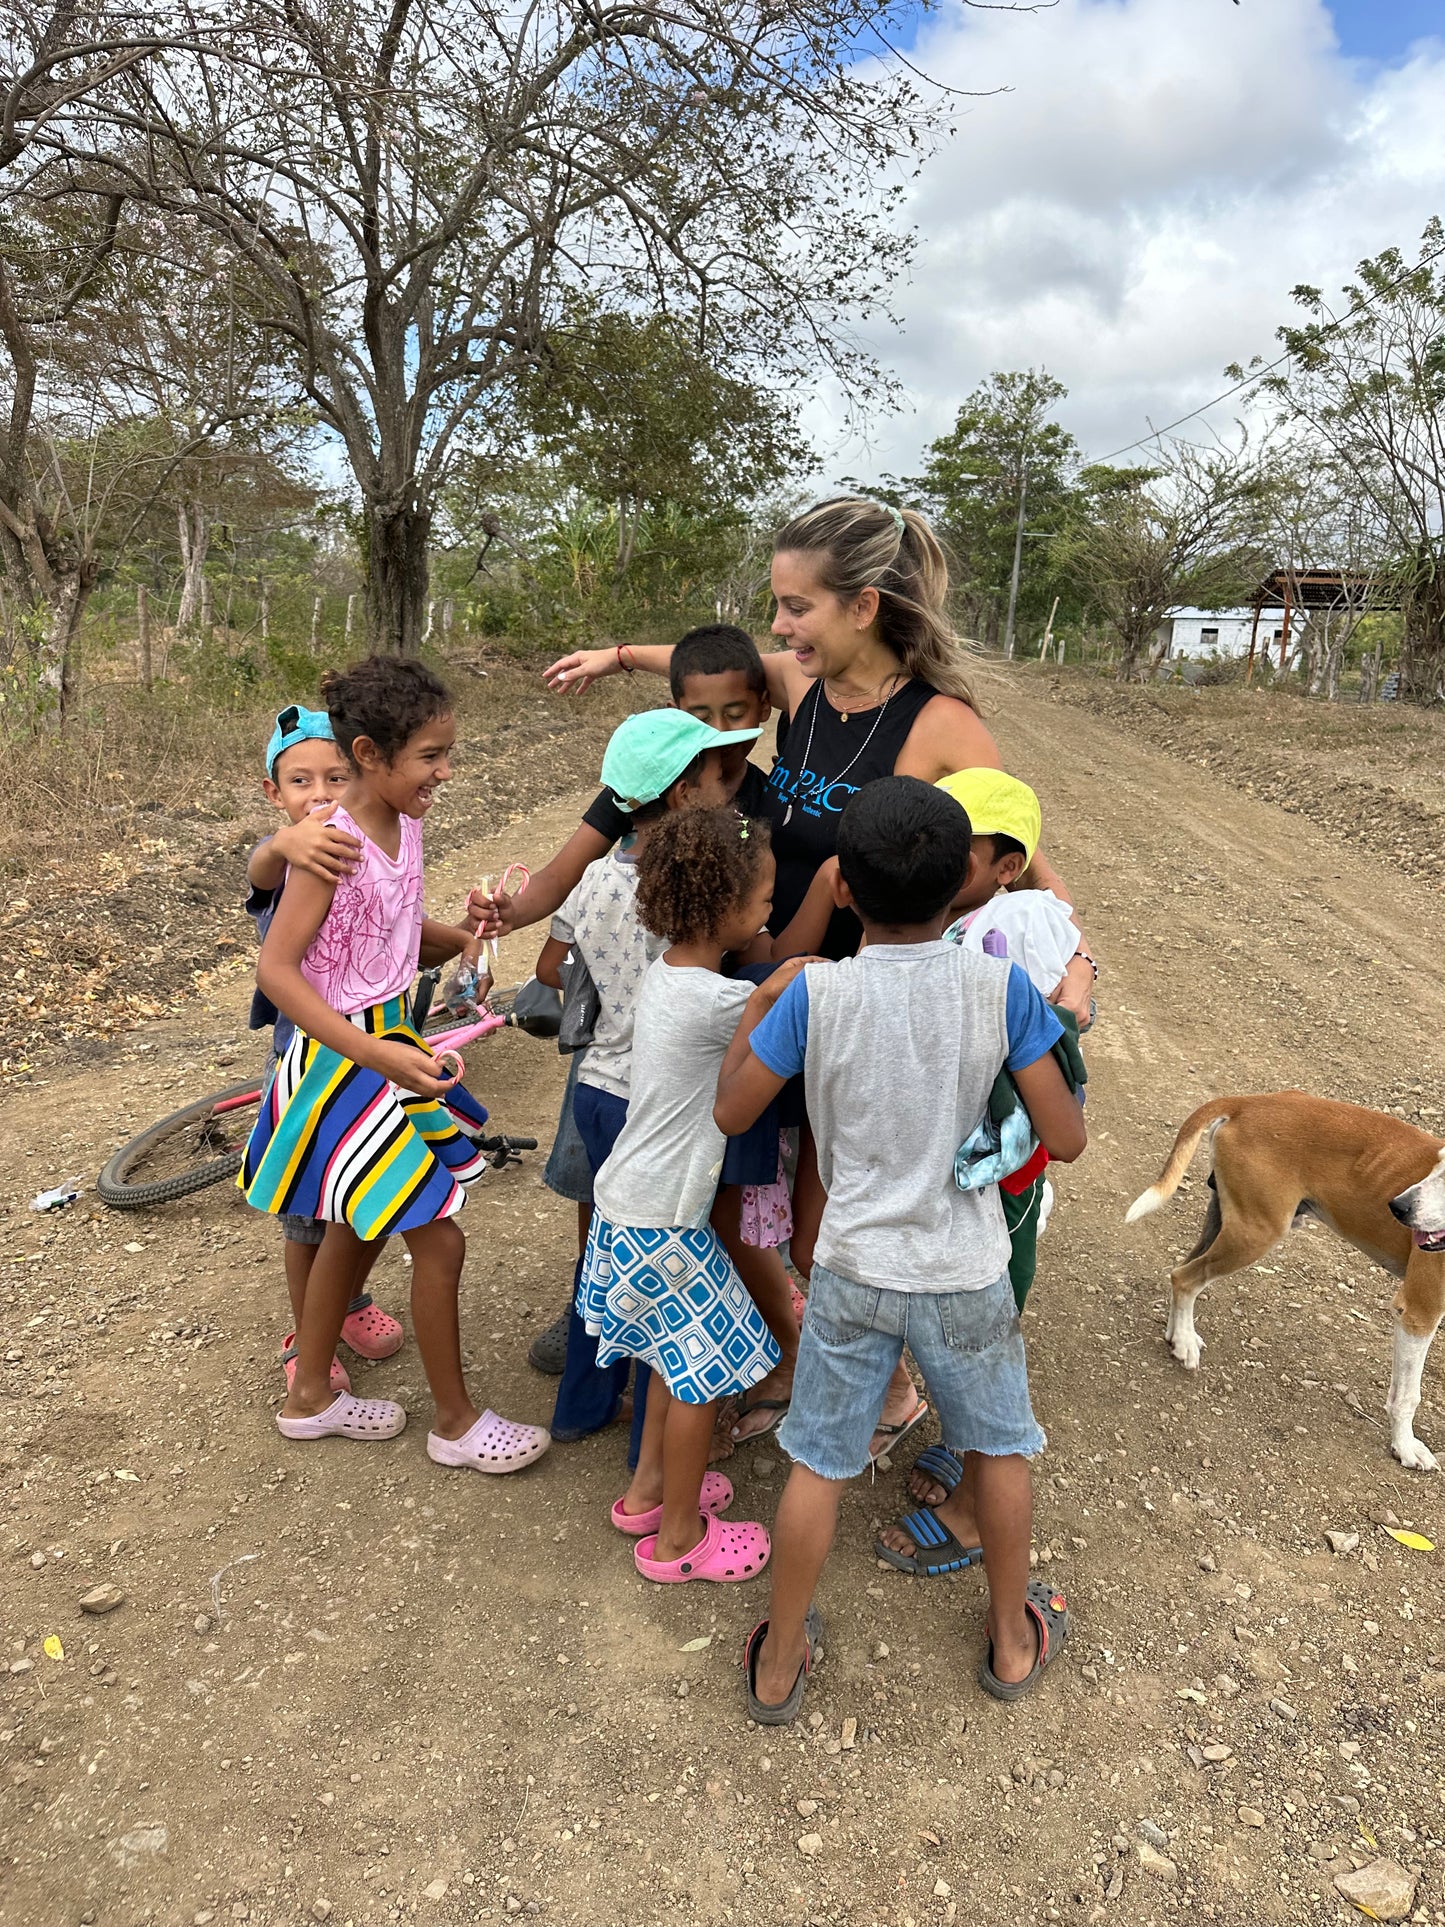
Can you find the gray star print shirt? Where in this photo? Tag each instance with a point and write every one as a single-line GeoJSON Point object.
{"type": "Point", "coordinates": [599, 921]}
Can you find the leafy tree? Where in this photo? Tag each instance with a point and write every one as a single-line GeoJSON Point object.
{"type": "Point", "coordinates": [422, 185]}
{"type": "Point", "coordinates": [1368, 381]}
{"type": "Point", "coordinates": [1003, 457]}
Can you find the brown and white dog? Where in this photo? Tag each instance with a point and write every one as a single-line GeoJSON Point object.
{"type": "Point", "coordinates": [1283, 1156]}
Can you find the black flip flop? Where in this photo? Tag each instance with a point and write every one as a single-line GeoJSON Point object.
{"type": "Point", "coordinates": [747, 1405]}
{"type": "Point", "coordinates": [1050, 1613]}
{"type": "Point", "coordinates": [936, 1550]}
{"type": "Point", "coordinates": [783, 1714]}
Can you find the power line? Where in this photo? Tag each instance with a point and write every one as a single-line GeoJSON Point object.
{"type": "Point", "coordinates": [1253, 380]}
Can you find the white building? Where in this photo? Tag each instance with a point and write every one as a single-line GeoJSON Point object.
{"type": "Point", "coordinates": [1207, 634]}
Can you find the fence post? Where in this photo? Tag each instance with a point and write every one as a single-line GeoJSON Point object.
{"type": "Point", "coordinates": [143, 628]}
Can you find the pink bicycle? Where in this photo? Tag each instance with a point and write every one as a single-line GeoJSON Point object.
{"type": "Point", "coordinates": [203, 1143]}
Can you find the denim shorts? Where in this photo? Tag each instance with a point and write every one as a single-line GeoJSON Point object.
{"type": "Point", "coordinates": [568, 1172]}
{"type": "Point", "coordinates": [968, 1345]}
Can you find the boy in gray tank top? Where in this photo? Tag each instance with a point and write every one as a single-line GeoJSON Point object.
{"type": "Point", "coordinates": [899, 1048]}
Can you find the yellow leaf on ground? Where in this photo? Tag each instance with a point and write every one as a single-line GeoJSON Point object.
{"type": "Point", "coordinates": [53, 1648]}
{"type": "Point", "coordinates": [1416, 1541]}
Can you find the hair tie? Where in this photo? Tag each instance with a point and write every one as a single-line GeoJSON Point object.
{"type": "Point", "coordinates": [897, 515]}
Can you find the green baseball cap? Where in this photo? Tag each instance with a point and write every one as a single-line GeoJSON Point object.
{"type": "Point", "coordinates": [649, 752]}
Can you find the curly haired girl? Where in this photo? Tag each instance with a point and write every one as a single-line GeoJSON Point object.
{"type": "Point", "coordinates": [358, 1129]}
{"type": "Point", "coordinates": [656, 1282]}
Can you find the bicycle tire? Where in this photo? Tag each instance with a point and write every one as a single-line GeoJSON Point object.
{"type": "Point", "coordinates": [113, 1186]}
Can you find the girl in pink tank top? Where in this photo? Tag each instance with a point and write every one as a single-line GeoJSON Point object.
{"type": "Point", "coordinates": [357, 1129]}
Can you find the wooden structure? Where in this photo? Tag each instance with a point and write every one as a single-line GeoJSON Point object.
{"type": "Point", "coordinates": [1311, 590]}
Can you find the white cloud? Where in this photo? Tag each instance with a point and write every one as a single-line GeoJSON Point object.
{"type": "Point", "coordinates": [1134, 212]}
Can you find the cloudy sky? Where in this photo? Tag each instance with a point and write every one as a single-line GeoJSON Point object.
{"type": "Point", "coordinates": [1132, 212]}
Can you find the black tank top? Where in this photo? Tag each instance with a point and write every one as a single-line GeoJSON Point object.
{"type": "Point", "coordinates": [804, 804]}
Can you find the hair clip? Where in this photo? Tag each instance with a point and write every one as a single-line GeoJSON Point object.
{"type": "Point", "coordinates": [743, 832]}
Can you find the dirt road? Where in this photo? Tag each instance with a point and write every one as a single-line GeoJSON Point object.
{"type": "Point", "coordinates": [346, 1685]}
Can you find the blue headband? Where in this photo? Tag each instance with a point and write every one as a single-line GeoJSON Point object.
{"type": "Point", "coordinates": [296, 725]}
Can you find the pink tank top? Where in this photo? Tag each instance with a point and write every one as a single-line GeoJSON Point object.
{"type": "Point", "coordinates": [369, 942]}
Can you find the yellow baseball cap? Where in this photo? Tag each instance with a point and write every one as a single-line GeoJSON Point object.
{"type": "Point", "coordinates": [997, 805]}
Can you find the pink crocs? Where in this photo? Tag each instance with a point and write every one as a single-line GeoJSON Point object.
{"type": "Point", "coordinates": [348, 1418]}
{"type": "Point", "coordinates": [727, 1550]}
{"type": "Point", "coordinates": [492, 1445]}
{"type": "Point", "coordinates": [372, 1332]}
{"type": "Point", "coordinates": [340, 1378]}
{"type": "Point", "coordinates": [716, 1496]}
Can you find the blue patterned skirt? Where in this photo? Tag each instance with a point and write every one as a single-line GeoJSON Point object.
{"type": "Point", "coordinates": [671, 1298]}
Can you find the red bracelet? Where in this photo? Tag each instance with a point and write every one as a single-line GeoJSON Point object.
{"type": "Point", "coordinates": [628, 666]}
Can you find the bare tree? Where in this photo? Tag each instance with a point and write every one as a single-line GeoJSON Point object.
{"type": "Point", "coordinates": [1145, 540]}
{"type": "Point", "coordinates": [421, 184]}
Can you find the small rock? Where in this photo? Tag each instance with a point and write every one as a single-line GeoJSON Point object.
{"type": "Point", "coordinates": [22, 1665]}
{"type": "Point", "coordinates": [1217, 1751]}
{"type": "Point", "coordinates": [1158, 1865]}
{"type": "Point", "coordinates": [103, 1598]}
{"type": "Point", "coordinates": [37, 1560]}
{"type": "Point", "coordinates": [1156, 1836]}
{"type": "Point", "coordinates": [880, 1651]}
{"type": "Point", "coordinates": [810, 1845]}
{"type": "Point", "coordinates": [1322, 1850]}
{"type": "Point", "coordinates": [1284, 1709]}
{"type": "Point", "coordinates": [203, 1919]}
{"type": "Point", "coordinates": [1226, 1684]}
{"type": "Point", "coordinates": [1342, 1541]}
{"type": "Point", "coordinates": [327, 1799]}
{"type": "Point", "coordinates": [1206, 1562]}
{"type": "Point", "coordinates": [1384, 1888]}
{"type": "Point", "coordinates": [941, 1890]}
{"type": "Point", "coordinates": [806, 1809]}
{"type": "Point", "coordinates": [435, 1890]}
{"type": "Point", "coordinates": [1116, 1885]}
{"type": "Point", "coordinates": [512, 1904]}
{"type": "Point", "coordinates": [1251, 1817]}
{"type": "Point", "coordinates": [321, 1910]}
{"type": "Point", "coordinates": [847, 1739]}
{"type": "Point", "coordinates": [202, 1622]}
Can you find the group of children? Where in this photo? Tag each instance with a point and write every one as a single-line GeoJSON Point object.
{"type": "Point", "coordinates": [693, 1020]}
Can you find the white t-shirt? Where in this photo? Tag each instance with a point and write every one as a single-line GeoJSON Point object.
{"type": "Point", "coordinates": [1037, 931]}
{"type": "Point", "coordinates": [664, 1167]}
{"type": "Point", "coordinates": [599, 921]}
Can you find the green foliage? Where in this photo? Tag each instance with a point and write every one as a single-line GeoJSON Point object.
{"type": "Point", "coordinates": [1002, 441]}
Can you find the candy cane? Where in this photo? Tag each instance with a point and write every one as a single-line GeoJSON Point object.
{"type": "Point", "coordinates": [504, 886]}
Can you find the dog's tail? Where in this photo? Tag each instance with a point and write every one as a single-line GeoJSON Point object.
{"type": "Point", "coordinates": [1185, 1145]}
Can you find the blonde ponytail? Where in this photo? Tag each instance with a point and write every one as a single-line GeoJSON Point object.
{"type": "Point", "coordinates": [862, 544]}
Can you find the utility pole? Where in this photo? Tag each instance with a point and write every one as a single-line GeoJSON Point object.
{"type": "Point", "coordinates": [1013, 587]}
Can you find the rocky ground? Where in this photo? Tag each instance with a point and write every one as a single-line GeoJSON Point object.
{"type": "Point", "coordinates": [338, 1683]}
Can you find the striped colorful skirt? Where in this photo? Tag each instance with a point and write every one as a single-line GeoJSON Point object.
{"type": "Point", "coordinates": [672, 1298]}
{"type": "Point", "coordinates": [337, 1142]}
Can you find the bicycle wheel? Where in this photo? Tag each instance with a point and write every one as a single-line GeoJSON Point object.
{"type": "Point", "coordinates": [191, 1149]}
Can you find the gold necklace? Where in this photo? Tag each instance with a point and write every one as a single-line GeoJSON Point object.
{"type": "Point", "coordinates": [843, 714]}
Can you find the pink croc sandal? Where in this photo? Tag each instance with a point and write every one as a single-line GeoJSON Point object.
{"type": "Point", "coordinates": [492, 1445]}
{"type": "Point", "coordinates": [340, 1378]}
{"type": "Point", "coordinates": [370, 1331]}
{"type": "Point", "coordinates": [716, 1496]}
{"type": "Point", "coordinates": [348, 1418]}
{"type": "Point", "coordinates": [727, 1550]}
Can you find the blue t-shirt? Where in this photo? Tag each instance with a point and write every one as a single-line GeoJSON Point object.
{"type": "Point", "coordinates": [781, 1039]}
